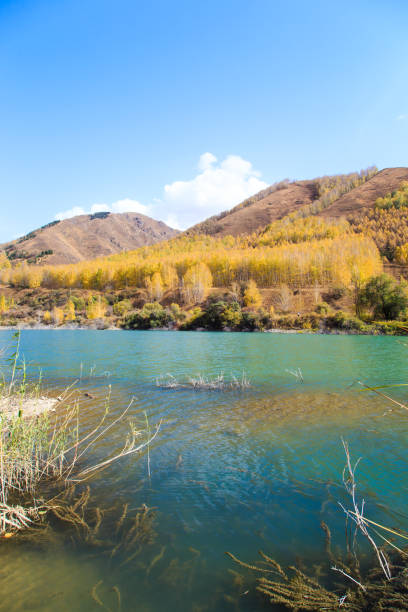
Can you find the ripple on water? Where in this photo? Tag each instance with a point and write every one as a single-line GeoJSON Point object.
{"type": "Point", "coordinates": [237, 471]}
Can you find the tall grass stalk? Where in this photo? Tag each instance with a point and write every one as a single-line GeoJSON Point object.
{"type": "Point", "coordinates": [39, 452]}
{"type": "Point", "coordinates": [50, 450]}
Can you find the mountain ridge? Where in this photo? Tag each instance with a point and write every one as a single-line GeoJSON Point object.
{"type": "Point", "coordinates": [86, 237]}
{"type": "Point", "coordinates": [287, 197]}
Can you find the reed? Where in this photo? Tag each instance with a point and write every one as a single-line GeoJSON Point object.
{"type": "Point", "coordinates": [48, 449]}
{"type": "Point", "coordinates": [200, 382]}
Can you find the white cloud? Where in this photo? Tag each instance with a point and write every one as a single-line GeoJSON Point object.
{"type": "Point", "coordinates": [72, 212]}
{"type": "Point", "coordinates": [218, 186]}
{"type": "Point", "coordinates": [402, 117]}
{"type": "Point", "coordinates": [120, 206]}
{"type": "Point", "coordinates": [206, 160]}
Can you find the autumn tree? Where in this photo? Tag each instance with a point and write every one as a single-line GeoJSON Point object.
{"type": "Point", "coordinates": [285, 298]}
{"type": "Point", "coordinates": [3, 304]}
{"type": "Point", "coordinates": [96, 308]}
{"type": "Point", "coordinates": [69, 311]}
{"type": "Point", "coordinates": [57, 315]}
{"type": "Point", "coordinates": [47, 317]}
{"type": "Point", "coordinates": [154, 287]}
{"type": "Point", "coordinates": [252, 295]}
{"type": "Point", "coordinates": [196, 283]}
{"type": "Point", "coordinates": [4, 261]}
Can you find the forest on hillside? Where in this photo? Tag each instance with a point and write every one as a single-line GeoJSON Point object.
{"type": "Point", "coordinates": [301, 251]}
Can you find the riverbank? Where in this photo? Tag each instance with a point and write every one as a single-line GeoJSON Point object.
{"type": "Point", "coordinates": [28, 407]}
{"type": "Point", "coordinates": [220, 311]}
{"type": "Point", "coordinates": [382, 328]}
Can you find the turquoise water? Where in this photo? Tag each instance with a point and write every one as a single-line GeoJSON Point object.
{"type": "Point", "coordinates": [238, 471]}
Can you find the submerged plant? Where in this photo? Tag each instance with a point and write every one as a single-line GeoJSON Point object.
{"type": "Point", "coordinates": [48, 449]}
{"type": "Point", "coordinates": [383, 587]}
{"type": "Point", "coordinates": [51, 449]}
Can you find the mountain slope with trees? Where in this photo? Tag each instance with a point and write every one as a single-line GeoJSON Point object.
{"type": "Point", "coordinates": [86, 237]}
{"type": "Point", "coordinates": [304, 268]}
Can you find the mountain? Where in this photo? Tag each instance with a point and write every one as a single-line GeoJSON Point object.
{"type": "Point", "coordinates": [330, 197]}
{"type": "Point", "coordinates": [266, 206]}
{"type": "Point", "coordinates": [364, 196]}
{"type": "Point", "coordinates": [87, 237]}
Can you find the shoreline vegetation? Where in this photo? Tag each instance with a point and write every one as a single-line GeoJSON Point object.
{"type": "Point", "coordinates": [226, 315]}
{"type": "Point", "coordinates": [44, 455]}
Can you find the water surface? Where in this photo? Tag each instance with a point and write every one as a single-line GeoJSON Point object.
{"type": "Point", "coordinates": [231, 471]}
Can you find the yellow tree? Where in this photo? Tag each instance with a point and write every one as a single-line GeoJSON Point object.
{"type": "Point", "coordinates": [96, 309]}
{"type": "Point", "coordinates": [57, 315]}
{"type": "Point", "coordinates": [4, 261]}
{"type": "Point", "coordinates": [47, 317]}
{"type": "Point", "coordinates": [69, 311]}
{"type": "Point", "coordinates": [197, 282]}
{"type": "Point", "coordinates": [154, 286]}
{"type": "Point", "coordinates": [252, 296]}
{"type": "Point", "coordinates": [3, 304]}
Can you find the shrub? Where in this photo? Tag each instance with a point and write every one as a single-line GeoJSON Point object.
{"type": "Point", "coordinates": [384, 296]}
{"type": "Point", "coordinates": [341, 320]}
{"type": "Point", "coordinates": [176, 312]}
{"type": "Point", "coordinates": [322, 308]}
{"type": "Point", "coordinates": [122, 307]}
{"type": "Point", "coordinates": [151, 316]}
{"type": "Point", "coordinates": [78, 302]}
{"type": "Point", "coordinates": [217, 315]}
{"type": "Point", "coordinates": [193, 316]}
{"type": "Point", "coordinates": [250, 321]}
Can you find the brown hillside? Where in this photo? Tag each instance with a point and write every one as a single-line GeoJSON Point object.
{"type": "Point", "coordinates": [279, 200]}
{"type": "Point", "coordinates": [365, 196]}
{"type": "Point", "coordinates": [87, 237]}
{"type": "Point", "coordinates": [252, 215]}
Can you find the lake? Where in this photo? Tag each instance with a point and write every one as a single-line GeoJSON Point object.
{"type": "Point", "coordinates": [235, 470]}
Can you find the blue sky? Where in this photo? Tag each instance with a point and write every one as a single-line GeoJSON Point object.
{"type": "Point", "coordinates": [181, 109]}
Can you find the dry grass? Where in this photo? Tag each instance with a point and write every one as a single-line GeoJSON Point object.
{"type": "Point", "coordinates": [200, 382]}
{"type": "Point", "coordinates": [49, 448]}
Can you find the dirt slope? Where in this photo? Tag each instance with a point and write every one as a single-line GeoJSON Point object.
{"type": "Point", "coordinates": [277, 201]}
{"type": "Point", "coordinates": [365, 196]}
{"type": "Point", "coordinates": [88, 237]}
{"type": "Point", "coordinates": [246, 218]}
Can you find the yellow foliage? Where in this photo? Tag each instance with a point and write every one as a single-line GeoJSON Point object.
{"type": "Point", "coordinates": [293, 229]}
{"type": "Point", "coordinates": [69, 311]}
{"type": "Point", "coordinates": [196, 283]}
{"type": "Point", "coordinates": [154, 287]}
{"type": "Point", "coordinates": [401, 254]}
{"type": "Point", "coordinates": [47, 317]}
{"type": "Point", "coordinates": [3, 304]}
{"type": "Point", "coordinates": [202, 261]}
{"type": "Point", "coordinates": [252, 297]}
{"type": "Point", "coordinates": [57, 315]}
{"type": "Point", "coordinates": [4, 261]}
{"type": "Point", "coordinates": [96, 309]}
